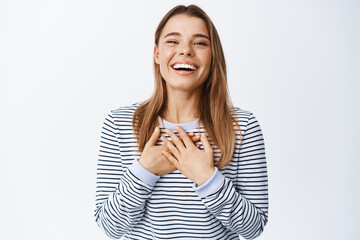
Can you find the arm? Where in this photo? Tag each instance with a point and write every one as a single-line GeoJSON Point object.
{"type": "Point", "coordinates": [242, 208]}
{"type": "Point", "coordinates": [121, 194]}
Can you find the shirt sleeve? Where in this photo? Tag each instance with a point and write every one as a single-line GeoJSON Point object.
{"type": "Point", "coordinates": [120, 194]}
{"type": "Point", "coordinates": [242, 206]}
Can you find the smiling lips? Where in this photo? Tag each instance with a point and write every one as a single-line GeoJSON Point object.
{"type": "Point", "coordinates": [184, 68]}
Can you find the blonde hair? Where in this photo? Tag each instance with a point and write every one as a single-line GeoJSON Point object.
{"type": "Point", "coordinates": [217, 114]}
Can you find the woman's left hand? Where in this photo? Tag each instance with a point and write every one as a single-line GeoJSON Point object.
{"type": "Point", "coordinates": [197, 165]}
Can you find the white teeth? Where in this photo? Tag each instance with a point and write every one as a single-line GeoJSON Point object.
{"type": "Point", "coordinates": [176, 66]}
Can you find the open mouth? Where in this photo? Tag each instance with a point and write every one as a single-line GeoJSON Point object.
{"type": "Point", "coordinates": [184, 69]}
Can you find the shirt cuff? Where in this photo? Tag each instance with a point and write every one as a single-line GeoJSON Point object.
{"type": "Point", "coordinates": [143, 174]}
{"type": "Point", "coordinates": [211, 185]}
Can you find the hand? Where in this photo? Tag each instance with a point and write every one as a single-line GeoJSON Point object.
{"type": "Point", "coordinates": [197, 165]}
{"type": "Point", "coordinates": [152, 158]}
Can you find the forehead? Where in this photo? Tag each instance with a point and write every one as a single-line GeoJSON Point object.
{"type": "Point", "coordinates": [185, 25]}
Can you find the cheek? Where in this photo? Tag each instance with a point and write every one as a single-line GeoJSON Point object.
{"type": "Point", "coordinates": [164, 63]}
{"type": "Point", "coordinates": [207, 59]}
{"type": "Point", "coordinates": [165, 55]}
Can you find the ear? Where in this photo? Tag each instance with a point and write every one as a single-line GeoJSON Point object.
{"type": "Point", "coordinates": [156, 55]}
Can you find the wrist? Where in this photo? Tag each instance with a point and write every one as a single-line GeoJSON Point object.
{"type": "Point", "coordinates": [211, 186]}
{"type": "Point", "coordinates": [143, 174]}
{"type": "Point", "coordinates": [144, 165]}
{"type": "Point", "coordinates": [206, 176]}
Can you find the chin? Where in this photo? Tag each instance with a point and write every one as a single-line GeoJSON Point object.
{"type": "Point", "coordinates": [183, 87]}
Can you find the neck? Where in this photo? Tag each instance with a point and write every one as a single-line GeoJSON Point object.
{"type": "Point", "coordinates": [182, 106]}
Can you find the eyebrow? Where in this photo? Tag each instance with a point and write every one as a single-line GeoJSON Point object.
{"type": "Point", "coordinates": [195, 35]}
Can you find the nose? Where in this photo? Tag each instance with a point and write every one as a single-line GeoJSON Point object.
{"type": "Point", "coordinates": [185, 50]}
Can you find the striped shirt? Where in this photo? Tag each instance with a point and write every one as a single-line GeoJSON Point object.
{"type": "Point", "coordinates": [133, 203]}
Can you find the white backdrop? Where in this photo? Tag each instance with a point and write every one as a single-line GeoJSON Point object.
{"type": "Point", "coordinates": [65, 64]}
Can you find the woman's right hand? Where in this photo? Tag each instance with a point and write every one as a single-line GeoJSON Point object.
{"type": "Point", "coordinates": [152, 158]}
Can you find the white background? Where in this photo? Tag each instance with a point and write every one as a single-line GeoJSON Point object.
{"type": "Point", "coordinates": [65, 64]}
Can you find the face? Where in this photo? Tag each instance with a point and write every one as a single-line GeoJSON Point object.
{"type": "Point", "coordinates": [184, 53]}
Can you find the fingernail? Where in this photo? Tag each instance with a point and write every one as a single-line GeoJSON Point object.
{"type": "Point", "coordinates": [177, 128]}
{"type": "Point", "coordinates": [156, 129]}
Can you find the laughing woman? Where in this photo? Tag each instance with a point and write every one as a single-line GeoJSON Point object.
{"type": "Point", "coordinates": [186, 163]}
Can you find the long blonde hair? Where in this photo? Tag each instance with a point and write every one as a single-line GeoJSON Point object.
{"type": "Point", "coordinates": [217, 114]}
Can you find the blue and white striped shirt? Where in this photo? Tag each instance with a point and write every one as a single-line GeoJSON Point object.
{"type": "Point", "coordinates": [136, 204]}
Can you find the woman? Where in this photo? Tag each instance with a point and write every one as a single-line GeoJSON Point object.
{"type": "Point", "coordinates": [175, 186]}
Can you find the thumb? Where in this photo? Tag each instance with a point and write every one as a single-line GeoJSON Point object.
{"type": "Point", "coordinates": [154, 137]}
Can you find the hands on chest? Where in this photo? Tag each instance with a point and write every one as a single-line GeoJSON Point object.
{"type": "Point", "coordinates": [181, 153]}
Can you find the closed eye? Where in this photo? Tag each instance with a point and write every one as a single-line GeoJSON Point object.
{"type": "Point", "coordinates": [171, 41]}
{"type": "Point", "coordinates": [201, 43]}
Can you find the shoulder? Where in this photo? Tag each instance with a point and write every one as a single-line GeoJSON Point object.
{"type": "Point", "coordinates": [246, 120]}
{"type": "Point", "coordinates": [123, 115]}
{"type": "Point", "coordinates": [126, 110]}
{"type": "Point", "coordinates": [242, 116]}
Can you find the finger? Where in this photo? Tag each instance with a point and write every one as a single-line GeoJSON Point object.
{"type": "Point", "coordinates": [165, 148]}
{"type": "Point", "coordinates": [190, 134]}
{"type": "Point", "coordinates": [171, 158]}
{"type": "Point", "coordinates": [178, 143]}
{"type": "Point", "coordinates": [171, 147]}
{"type": "Point", "coordinates": [154, 137]}
{"type": "Point", "coordinates": [205, 142]}
{"type": "Point", "coordinates": [195, 138]}
{"type": "Point", "coordinates": [186, 139]}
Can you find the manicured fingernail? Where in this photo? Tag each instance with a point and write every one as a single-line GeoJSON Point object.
{"type": "Point", "coordinates": [156, 129]}
{"type": "Point", "coordinates": [177, 128]}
